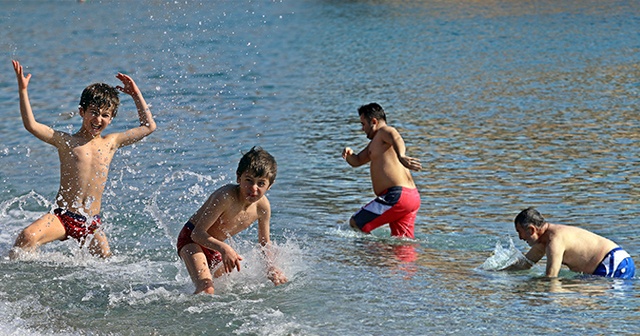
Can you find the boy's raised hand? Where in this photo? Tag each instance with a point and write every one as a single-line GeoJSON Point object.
{"type": "Point", "coordinates": [23, 81]}
{"type": "Point", "coordinates": [129, 87]}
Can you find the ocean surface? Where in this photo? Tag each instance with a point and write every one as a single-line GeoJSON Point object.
{"type": "Point", "coordinates": [508, 104]}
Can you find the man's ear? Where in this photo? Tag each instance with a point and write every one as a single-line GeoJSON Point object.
{"type": "Point", "coordinates": [81, 111]}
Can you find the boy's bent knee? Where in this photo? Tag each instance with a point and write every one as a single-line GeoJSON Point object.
{"type": "Point", "coordinates": [28, 238]}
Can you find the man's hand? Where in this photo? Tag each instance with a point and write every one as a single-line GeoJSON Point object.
{"type": "Point", "coordinates": [411, 163]}
{"type": "Point", "coordinates": [347, 152]}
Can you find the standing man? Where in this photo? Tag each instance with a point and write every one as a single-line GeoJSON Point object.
{"type": "Point", "coordinates": [397, 200]}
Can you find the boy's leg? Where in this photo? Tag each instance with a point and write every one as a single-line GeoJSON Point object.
{"type": "Point", "coordinates": [99, 245]}
{"type": "Point", "coordinates": [44, 230]}
{"type": "Point", "coordinates": [198, 268]}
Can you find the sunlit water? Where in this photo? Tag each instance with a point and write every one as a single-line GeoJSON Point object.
{"type": "Point", "coordinates": [508, 104]}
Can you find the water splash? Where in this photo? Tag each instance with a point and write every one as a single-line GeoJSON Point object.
{"type": "Point", "coordinates": [163, 217]}
{"type": "Point", "coordinates": [502, 257]}
{"type": "Point", "coordinates": [21, 201]}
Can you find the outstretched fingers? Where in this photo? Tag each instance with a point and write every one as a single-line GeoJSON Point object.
{"type": "Point", "coordinates": [129, 87]}
{"type": "Point", "coordinates": [23, 80]}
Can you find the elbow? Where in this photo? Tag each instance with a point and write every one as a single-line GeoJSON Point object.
{"type": "Point", "coordinates": [29, 127]}
{"type": "Point", "coordinates": [151, 126]}
{"type": "Point", "coordinates": [196, 237]}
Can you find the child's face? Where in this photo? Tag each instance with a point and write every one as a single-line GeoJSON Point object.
{"type": "Point", "coordinates": [95, 120]}
{"type": "Point", "coordinates": [253, 188]}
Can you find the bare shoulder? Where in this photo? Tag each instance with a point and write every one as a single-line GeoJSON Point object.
{"type": "Point", "coordinates": [226, 193]}
{"type": "Point", "coordinates": [576, 236]}
{"type": "Point", "coordinates": [62, 139]}
{"type": "Point", "coordinates": [389, 130]}
{"type": "Point", "coordinates": [263, 206]}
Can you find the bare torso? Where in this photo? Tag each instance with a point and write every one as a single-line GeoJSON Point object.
{"type": "Point", "coordinates": [583, 250]}
{"type": "Point", "coordinates": [84, 167]}
{"type": "Point", "coordinates": [236, 215]}
{"type": "Point", "coordinates": [386, 170]}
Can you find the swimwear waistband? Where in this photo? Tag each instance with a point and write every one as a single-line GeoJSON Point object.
{"type": "Point", "coordinates": [190, 225]}
{"type": "Point", "coordinates": [396, 189]}
{"type": "Point", "coordinates": [75, 216]}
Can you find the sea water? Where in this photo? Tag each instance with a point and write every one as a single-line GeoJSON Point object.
{"type": "Point", "coordinates": [508, 105]}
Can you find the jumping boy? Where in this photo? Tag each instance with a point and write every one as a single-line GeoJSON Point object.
{"type": "Point", "coordinates": [229, 210]}
{"type": "Point", "coordinates": [84, 163]}
{"type": "Point", "coordinates": [397, 200]}
{"type": "Point", "coordinates": [579, 249]}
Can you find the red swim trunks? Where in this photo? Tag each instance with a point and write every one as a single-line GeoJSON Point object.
{"type": "Point", "coordinates": [397, 206]}
{"type": "Point", "coordinates": [213, 257]}
{"type": "Point", "coordinates": [75, 225]}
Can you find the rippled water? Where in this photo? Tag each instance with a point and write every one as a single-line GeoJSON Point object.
{"type": "Point", "coordinates": [508, 105]}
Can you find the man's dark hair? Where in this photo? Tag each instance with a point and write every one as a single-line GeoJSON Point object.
{"type": "Point", "coordinates": [529, 216]}
{"type": "Point", "coordinates": [371, 111]}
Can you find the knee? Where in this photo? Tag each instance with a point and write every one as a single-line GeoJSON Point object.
{"type": "Point", "coordinates": [28, 237]}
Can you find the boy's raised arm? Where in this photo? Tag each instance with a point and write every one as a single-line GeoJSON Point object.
{"type": "Point", "coordinates": [147, 124]}
{"type": "Point", "coordinates": [41, 131]}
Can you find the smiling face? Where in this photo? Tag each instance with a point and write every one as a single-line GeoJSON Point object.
{"type": "Point", "coordinates": [95, 120]}
{"type": "Point", "coordinates": [252, 188]}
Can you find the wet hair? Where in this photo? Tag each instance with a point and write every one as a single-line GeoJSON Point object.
{"type": "Point", "coordinates": [259, 163]}
{"type": "Point", "coordinates": [529, 216]}
{"type": "Point", "coordinates": [371, 111]}
{"type": "Point", "coordinates": [102, 96]}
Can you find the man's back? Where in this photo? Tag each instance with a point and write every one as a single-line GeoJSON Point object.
{"type": "Point", "coordinates": [583, 250]}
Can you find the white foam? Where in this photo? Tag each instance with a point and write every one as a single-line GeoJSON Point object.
{"type": "Point", "coordinates": [502, 257]}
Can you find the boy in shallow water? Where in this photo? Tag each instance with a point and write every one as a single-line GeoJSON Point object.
{"type": "Point", "coordinates": [229, 210]}
{"type": "Point", "coordinates": [84, 163]}
{"type": "Point", "coordinates": [579, 249]}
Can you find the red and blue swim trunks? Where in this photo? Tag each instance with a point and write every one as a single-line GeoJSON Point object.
{"type": "Point", "coordinates": [75, 225]}
{"type": "Point", "coordinates": [397, 206]}
{"type": "Point", "coordinates": [213, 257]}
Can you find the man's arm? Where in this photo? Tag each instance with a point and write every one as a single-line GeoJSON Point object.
{"type": "Point", "coordinates": [531, 258]}
{"type": "Point", "coordinates": [356, 160]}
{"type": "Point", "coordinates": [393, 137]}
{"type": "Point", "coordinates": [147, 124]}
{"type": "Point", "coordinates": [555, 253]}
{"type": "Point", "coordinates": [41, 131]}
